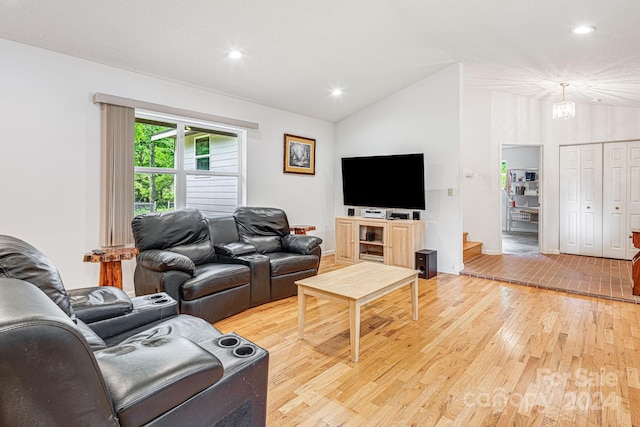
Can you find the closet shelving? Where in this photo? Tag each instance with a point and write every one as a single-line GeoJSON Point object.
{"type": "Point", "coordinates": [523, 192]}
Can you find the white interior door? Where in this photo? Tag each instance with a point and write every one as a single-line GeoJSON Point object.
{"type": "Point", "coordinates": [633, 194]}
{"type": "Point", "coordinates": [614, 201]}
{"type": "Point", "coordinates": [591, 200]}
{"type": "Point", "coordinates": [570, 199]}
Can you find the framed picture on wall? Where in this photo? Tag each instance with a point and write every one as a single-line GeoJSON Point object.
{"type": "Point", "coordinates": [299, 155]}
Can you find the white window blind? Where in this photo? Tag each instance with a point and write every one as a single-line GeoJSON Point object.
{"type": "Point", "coordinates": [117, 175]}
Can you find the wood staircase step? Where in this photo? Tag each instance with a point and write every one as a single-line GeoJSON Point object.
{"type": "Point", "coordinates": [471, 250]}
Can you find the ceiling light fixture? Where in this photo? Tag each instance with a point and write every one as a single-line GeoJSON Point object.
{"type": "Point", "coordinates": [336, 92]}
{"type": "Point", "coordinates": [235, 54]}
{"type": "Point", "coordinates": [564, 110]}
{"type": "Point", "coordinates": [583, 29]}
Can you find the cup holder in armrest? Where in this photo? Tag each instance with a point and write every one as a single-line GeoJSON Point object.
{"type": "Point", "coordinates": [239, 347]}
{"type": "Point", "coordinates": [228, 341]}
{"type": "Point", "coordinates": [245, 350]}
{"type": "Point", "coordinates": [157, 301]}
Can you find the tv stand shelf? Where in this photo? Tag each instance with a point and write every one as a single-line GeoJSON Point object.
{"type": "Point", "coordinates": [391, 242]}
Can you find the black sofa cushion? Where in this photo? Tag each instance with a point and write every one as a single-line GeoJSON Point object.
{"type": "Point", "coordinates": [147, 376]}
{"type": "Point", "coordinates": [168, 229]}
{"type": "Point", "coordinates": [200, 252]}
{"type": "Point", "coordinates": [263, 244]}
{"type": "Point", "coordinates": [20, 260]}
{"type": "Point", "coordinates": [212, 278]}
{"type": "Point", "coordinates": [222, 229]}
{"type": "Point", "coordinates": [98, 303]}
{"type": "Point", "coordinates": [253, 221]}
{"type": "Point", "coordinates": [285, 263]}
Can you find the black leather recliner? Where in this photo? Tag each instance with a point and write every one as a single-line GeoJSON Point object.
{"type": "Point", "coordinates": [131, 362]}
{"type": "Point", "coordinates": [176, 256]}
{"type": "Point", "coordinates": [291, 256]}
{"type": "Point", "coordinates": [219, 266]}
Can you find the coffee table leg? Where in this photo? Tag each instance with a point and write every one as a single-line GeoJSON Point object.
{"type": "Point", "coordinates": [302, 309]}
{"type": "Point", "coordinates": [414, 299]}
{"type": "Point", "coordinates": [354, 329]}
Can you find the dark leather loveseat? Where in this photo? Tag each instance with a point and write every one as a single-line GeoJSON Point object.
{"type": "Point", "coordinates": [95, 357]}
{"type": "Point", "coordinates": [220, 266]}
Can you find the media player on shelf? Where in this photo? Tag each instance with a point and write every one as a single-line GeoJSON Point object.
{"type": "Point", "coordinates": [399, 215]}
{"type": "Point", "coordinates": [374, 213]}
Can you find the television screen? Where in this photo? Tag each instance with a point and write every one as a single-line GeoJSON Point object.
{"type": "Point", "coordinates": [395, 181]}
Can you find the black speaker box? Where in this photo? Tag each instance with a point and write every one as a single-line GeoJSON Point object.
{"type": "Point", "coordinates": [416, 215]}
{"type": "Point", "coordinates": [351, 212]}
{"type": "Point", "coordinates": [427, 263]}
{"type": "Point", "coordinates": [399, 215]}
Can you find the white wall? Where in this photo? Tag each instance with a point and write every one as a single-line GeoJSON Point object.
{"type": "Point", "coordinates": [526, 121]}
{"type": "Point", "coordinates": [477, 153]}
{"type": "Point", "coordinates": [423, 118]}
{"type": "Point", "coordinates": [50, 153]}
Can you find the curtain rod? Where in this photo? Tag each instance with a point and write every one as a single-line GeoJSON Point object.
{"type": "Point", "coordinates": [103, 98]}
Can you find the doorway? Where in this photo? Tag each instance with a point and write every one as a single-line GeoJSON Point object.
{"type": "Point", "coordinates": [521, 179]}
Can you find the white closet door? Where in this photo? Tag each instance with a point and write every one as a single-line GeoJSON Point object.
{"type": "Point", "coordinates": [570, 199]}
{"type": "Point", "coordinates": [633, 194]}
{"type": "Point", "coordinates": [614, 201]}
{"type": "Point", "coordinates": [591, 200]}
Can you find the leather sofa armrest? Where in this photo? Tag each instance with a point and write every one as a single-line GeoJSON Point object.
{"type": "Point", "coordinates": [300, 243]}
{"type": "Point", "coordinates": [235, 249]}
{"type": "Point", "coordinates": [161, 261]}
{"type": "Point", "coordinates": [98, 303]}
{"type": "Point", "coordinates": [149, 376]}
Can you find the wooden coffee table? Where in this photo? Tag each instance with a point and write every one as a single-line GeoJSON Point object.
{"type": "Point", "coordinates": [356, 285]}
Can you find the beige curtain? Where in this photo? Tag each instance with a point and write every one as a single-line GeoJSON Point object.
{"type": "Point", "coordinates": [117, 175]}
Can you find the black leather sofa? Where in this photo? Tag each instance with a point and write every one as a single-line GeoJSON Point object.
{"type": "Point", "coordinates": [94, 357]}
{"type": "Point", "coordinates": [216, 267]}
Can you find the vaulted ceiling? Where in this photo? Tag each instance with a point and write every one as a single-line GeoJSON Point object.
{"type": "Point", "coordinates": [298, 51]}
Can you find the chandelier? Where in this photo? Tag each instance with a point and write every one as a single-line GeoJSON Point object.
{"type": "Point", "coordinates": [564, 110]}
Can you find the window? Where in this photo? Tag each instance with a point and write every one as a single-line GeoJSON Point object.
{"type": "Point", "coordinates": [202, 153]}
{"type": "Point", "coordinates": [182, 163]}
{"type": "Point", "coordinates": [157, 176]}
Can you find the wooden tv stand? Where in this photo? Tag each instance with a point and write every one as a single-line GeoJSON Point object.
{"type": "Point", "coordinates": [392, 242]}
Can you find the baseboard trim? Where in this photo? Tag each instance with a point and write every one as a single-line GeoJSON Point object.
{"type": "Point", "coordinates": [491, 252]}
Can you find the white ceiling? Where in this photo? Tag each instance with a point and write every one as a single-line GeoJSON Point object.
{"type": "Point", "coordinates": [297, 51]}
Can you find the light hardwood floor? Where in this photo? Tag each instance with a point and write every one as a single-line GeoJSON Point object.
{"type": "Point", "coordinates": [481, 353]}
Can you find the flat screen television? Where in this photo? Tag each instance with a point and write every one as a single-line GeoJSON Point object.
{"type": "Point", "coordinates": [395, 181]}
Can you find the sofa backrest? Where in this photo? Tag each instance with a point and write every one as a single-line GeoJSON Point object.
{"type": "Point", "coordinates": [262, 227]}
{"type": "Point", "coordinates": [49, 374]}
{"type": "Point", "coordinates": [222, 229]}
{"type": "Point", "coordinates": [20, 260]}
{"type": "Point", "coordinates": [184, 231]}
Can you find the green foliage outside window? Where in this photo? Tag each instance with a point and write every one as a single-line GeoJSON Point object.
{"type": "Point", "coordinates": [159, 153]}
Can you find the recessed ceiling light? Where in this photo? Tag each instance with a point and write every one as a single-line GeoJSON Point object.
{"type": "Point", "coordinates": [235, 54]}
{"type": "Point", "coordinates": [583, 29]}
{"type": "Point", "coordinates": [336, 92]}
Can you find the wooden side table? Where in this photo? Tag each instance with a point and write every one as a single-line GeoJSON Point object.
{"type": "Point", "coordinates": [110, 265]}
{"type": "Point", "coordinates": [301, 229]}
{"type": "Point", "coordinates": [635, 235]}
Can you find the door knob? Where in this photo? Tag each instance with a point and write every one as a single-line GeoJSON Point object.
{"type": "Point", "coordinates": [617, 208]}
{"type": "Point", "coordinates": [588, 207]}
